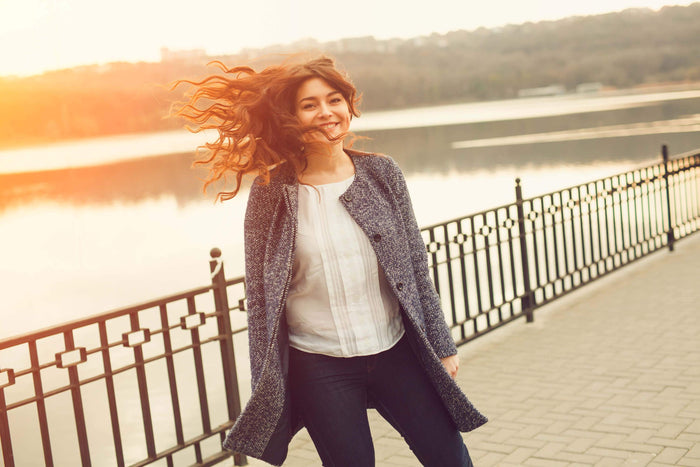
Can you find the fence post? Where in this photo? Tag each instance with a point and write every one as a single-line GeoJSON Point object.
{"type": "Point", "coordinates": [5, 441]}
{"type": "Point", "coordinates": [670, 234]}
{"type": "Point", "coordinates": [527, 302]}
{"type": "Point", "coordinates": [228, 360]}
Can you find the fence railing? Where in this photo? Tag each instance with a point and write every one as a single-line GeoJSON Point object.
{"type": "Point", "coordinates": [157, 383]}
{"type": "Point", "coordinates": [154, 383]}
{"type": "Point", "coordinates": [497, 265]}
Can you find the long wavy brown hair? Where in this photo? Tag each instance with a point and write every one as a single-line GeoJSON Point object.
{"type": "Point", "coordinates": [254, 114]}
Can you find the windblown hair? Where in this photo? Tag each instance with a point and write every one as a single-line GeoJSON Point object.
{"type": "Point", "coordinates": [254, 115]}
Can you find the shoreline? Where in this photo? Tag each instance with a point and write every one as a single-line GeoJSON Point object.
{"type": "Point", "coordinates": [104, 150]}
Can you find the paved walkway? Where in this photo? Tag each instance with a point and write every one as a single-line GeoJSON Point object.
{"type": "Point", "coordinates": [607, 376]}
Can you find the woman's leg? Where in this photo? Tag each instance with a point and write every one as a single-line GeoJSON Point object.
{"type": "Point", "coordinates": [330, 393]}
{"type": "Point", "coordinates": [404, 395]}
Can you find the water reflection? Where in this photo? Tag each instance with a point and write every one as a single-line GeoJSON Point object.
{"type": "Point", "coordinates": [131, 181]}
{"type": "Point", "coordinates": [418, 150]}
{"type": "Point", "coordinates": [430, 149]}
{"type": "Point", "coordinates": [679, 125]}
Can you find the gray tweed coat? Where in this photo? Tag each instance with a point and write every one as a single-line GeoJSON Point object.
{"type": "Point", "coordinates": [379, 202]}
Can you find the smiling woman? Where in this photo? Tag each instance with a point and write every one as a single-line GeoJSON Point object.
{"type": "Point", "coordinates": [319, 104]}
{"type": "Point", "coordinates": [342, 312]}
{"type": "Point", "coordinates": [280, 115]}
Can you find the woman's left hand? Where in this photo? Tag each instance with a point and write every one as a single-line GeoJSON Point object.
{"type": "Point", "coordinates": [451, 364]}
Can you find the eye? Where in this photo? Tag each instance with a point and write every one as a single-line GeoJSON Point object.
{"type": "Point", "coordinates": [336, 100]}
{"type": "Point", "coordinates": [307, 106]}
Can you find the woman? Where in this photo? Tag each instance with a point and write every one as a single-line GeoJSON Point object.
{"type": "Point", "coordinates": [342, 313]}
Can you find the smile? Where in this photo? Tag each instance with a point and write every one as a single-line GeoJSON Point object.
{"type": "Point", "coordinates": [328, 126]}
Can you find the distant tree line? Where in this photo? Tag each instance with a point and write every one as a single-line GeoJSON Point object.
{"type": "Point", "coordinates": [630, 48]}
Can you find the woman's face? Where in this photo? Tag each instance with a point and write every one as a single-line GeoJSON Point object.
{"type": "Point", "coordinates": [320, 105]}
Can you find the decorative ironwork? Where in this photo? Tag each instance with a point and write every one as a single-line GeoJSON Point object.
{"type": "Point", "coordinates": [71, 358]}
{"type": "Point", "coordinates": [460, 238]}
{"type": "Point", "coordinates": [508, 223]}
{"type": "Point", "coordinates": [192, 321]}
{"type": "Point", "coordinates": [136, 338]}
{"type": "Point", "coordinates": [565, 239]}
{"type": "Point", "coordinates": [7, 377]}
{"type": "Point", "coordinates": [98, 381]}
{"type": "Point", "coordinates": [432, 247]}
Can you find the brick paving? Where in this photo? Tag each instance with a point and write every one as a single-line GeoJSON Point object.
{"type": "Point", "coordinates": [607, 376]}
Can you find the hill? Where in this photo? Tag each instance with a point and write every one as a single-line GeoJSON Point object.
{"type": "Point", "coordinates": [626, 49]}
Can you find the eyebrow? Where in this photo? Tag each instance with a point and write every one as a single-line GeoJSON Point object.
{"type": "Point", "coordinates": [311, 98]}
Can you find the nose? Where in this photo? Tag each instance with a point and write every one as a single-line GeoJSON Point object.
{"type": "Point", "coordinates": [324, 110]}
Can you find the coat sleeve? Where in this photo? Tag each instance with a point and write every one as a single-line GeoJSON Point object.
{"type": "Point", "coordinates": [437, 331]}
{"type": "Point", "coordinates": [254, 229]}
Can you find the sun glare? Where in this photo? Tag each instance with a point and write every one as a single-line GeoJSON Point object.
{"type": "Point", "coordinates": [19, 19]}
{"type": "Point", "coordinates": [18, 15]}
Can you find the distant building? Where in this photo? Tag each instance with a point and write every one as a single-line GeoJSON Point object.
{"type": "Point", "coordinates": [192, 55]}
{"type": "Point", "coordinates": [389, 45]}
{"type": "Point", "coordinates": [589, 87]}
{"type": "Point", "coordinates": [551, 90]}
{"type": "Point", "coordinates": [305, 44]}
{"type": "Point", "coordinates": [363, 44]}
{"type": "Point", "coordinates": [103, 68]}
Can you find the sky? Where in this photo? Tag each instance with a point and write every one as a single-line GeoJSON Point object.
{"type": "Point", "coordinates": [41, 35]}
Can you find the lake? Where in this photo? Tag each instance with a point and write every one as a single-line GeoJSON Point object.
{"type": "Point", "coordinates": [93, 225]}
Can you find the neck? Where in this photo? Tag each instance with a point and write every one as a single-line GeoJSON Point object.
{"type": "Point", "coordinates": [328, 165]}
{"type": "Point", "coordinates": [329, 161]}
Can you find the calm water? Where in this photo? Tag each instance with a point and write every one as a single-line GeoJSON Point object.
{"type": "Point", "coordinates": [106, 228]}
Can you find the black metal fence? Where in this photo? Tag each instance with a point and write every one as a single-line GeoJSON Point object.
{"type": "Point", "coordinates": [154, 383]}
{"type": "Point", "coordinates": [157, 383]}
{"type": "Point", "coordinates": [497, 265]}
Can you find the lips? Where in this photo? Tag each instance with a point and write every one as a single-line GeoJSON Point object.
{"type": "Point", "coordinates": [329, 126]}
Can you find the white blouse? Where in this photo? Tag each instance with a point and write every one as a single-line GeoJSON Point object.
{"type": "Point", "coordinates": [338, 302]}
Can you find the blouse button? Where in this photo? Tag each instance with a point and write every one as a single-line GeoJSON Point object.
{"type": "Point", "coordinates": [377, 237]}
{"type": "Point", "coordinates": [347, 197]}
{"type": "Point", "coordinates": [399, 286]}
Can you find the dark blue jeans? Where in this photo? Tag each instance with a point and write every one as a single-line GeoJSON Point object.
{"type": "Point", "coordinates": [332, 395]}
